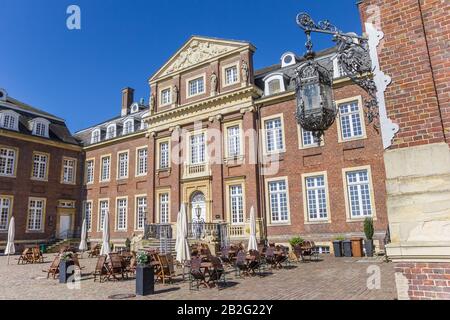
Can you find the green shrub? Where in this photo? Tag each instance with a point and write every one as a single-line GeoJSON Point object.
{"type": "Point", "coordinates": [296, 241]}
{"type": "Point", "coordinates": [142, 258]}
{"type": "Point", "coordinates": [368, 228]}
{"type": "Point", "coordinates": [340, 238]}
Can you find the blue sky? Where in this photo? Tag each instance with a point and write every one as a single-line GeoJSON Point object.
{"type": "Point", "coordinates": [78, 74]}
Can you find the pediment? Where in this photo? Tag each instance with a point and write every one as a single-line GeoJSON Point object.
{"type": "Point", "coordinates": [196, 51]}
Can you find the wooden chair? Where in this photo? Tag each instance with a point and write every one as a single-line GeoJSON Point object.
{"type": "Point", "coordinates": [255, 263]}
{"type": "Point", "coordinates": [309, 249]}
{"type": "Point", "coordinates": [196, 275]}
{"type": "Point", "coordinates": [217, 275]}
{"type": "Point", "coordinates": [54, 268]}
{"type": "Point", "coordinates": [37, 255]}
{"type": "Point", "coordinates": [298, 252]}
{"type": "Point", "coordinates": [115, 267]}
{"type": "Point", "coordinates": [94, 252]}
{"type": "Point", "coordinates": [241, 264]}
{"type": "Point", "coordinates": [26, 256]}
{"type": "Point", "coordinates": [101, 269]}
{"type": "Point", "coordinates": [225, 256]}
{"type": "Point", "coordinates": [166, 270]}
{"type": "Point", "coordinates": [76, 262]}
{"type": "Point", "coordinates": [131, 267]}
{"type": "Point", "coordinates": [270, 257]}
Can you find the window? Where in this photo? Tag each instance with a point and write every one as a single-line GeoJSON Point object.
{"type": "Point", "coordinates": [9, 120]}
{"type": "Point", "coordinates": [234, 141]}
{"type": "Point", "coordinates": [316, 199]}
{"type": "Point", "coordinates": [166, 97]}
{"type": "Point", "coordinates": [128, 126]}
{"type": "Point", "coordinates": [122, 169]}
{"type": "Point", "coordinates": [141, 209]}
{"type": "Point", "coordinates": [69, 170]}
{"type": "Point", "coordinates": [40, 166]}
{"type": "Point", "coordinates": [274, 86]}
{"type": "Point", "coordinates": [164, 155]}
{"type": "Point", "coordinates": [274, 135]}
{"type": "Point", "coordinates": [308, 139]}
{"type": "Point", "coordinates": [5, 212]}
{"type": "Point", "coordinates": [278, 202]}
{"type": "Point", "coordinates": [111, 131]}
{"type": "Point", "coordinates": [95, 137]}
{"type": "Point", "coordinates": [274, 83]}
{"type": "Point", "coordinates": [164, 208]}
{"type": "Point", "coordinates": [40, 127]}
{"type": "Point", "coordinates": [350, 120]}
{"type": "Point", "coordinates": [236, 204]}
{"type": "Point", "coordinates": [196, 86]}
{"type": "Point", "coordinates": [231, 75]}
{"type": "Point", "coordinates": [90, 171]}
{"type": "Point", "coordinates": [358, 191]}
{"type": "Point", "coordinates": [88, 214]}
{"type": "Point", "coordinates": [36, 209]}
{"type": "Point", "coordinates": [142, 162]}
{"type": "Point", "coordinates": [106, 168]}
{"type": "Point", "coordinates": [198, 148]}
{"type": "Point", "coordinates": [122, 207]}
{"type": "Point", "coordinates": [103, 211]}
{"type": "Point", "coordinates": [7, 162]}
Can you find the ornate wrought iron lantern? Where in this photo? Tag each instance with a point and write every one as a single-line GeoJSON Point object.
{"type": "Point", "coordinates": [316, 111]}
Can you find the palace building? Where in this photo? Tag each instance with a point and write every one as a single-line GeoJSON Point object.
{"type": "Point", "coordinates": [220, 138]}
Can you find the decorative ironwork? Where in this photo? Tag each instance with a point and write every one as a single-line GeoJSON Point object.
{"type": "Point", "coordinates": [158, 231]}
{"type": "Point", "coordinates": [352, 54]}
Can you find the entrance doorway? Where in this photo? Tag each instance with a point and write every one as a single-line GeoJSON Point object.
{"type": "Point", "coordinates": [198, 207]}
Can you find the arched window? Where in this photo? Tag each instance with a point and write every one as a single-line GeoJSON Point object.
{"type": "Point", "coordinates": [273, 84]}
{"type": "Point", "coordinates": [128, 126]}
{"type": "Point", "coordinates": [40, 127]}
{"type": "Point", "coordinates": [111, 131]}
{"type": "Point", "coordinates": [95, 136]}
{"type": "Point", "coordinates": [9, 120]}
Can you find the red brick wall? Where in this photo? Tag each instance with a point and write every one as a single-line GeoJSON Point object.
{"type": "Point", "coordinates": [426, 281]}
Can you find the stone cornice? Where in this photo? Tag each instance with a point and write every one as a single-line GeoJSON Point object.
{"type": "Point", "coordinates": [115, 140]}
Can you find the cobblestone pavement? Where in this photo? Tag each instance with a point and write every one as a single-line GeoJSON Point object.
{"type": "Point", "coordinates": [330, 279]}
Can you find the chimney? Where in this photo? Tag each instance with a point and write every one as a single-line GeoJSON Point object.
{"type": "Point", "coordinates": [127, 100]}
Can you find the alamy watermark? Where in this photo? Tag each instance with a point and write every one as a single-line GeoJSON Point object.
{"type": "Point", "coordinates": [73, 21]}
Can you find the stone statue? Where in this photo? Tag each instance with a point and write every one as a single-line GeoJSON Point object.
{"type": "Point", "coordinates": [213, 84]}
{"type": "Point", "coordinates": [245, 72]}
{"type": "Point", "coordinates": [175, 95]}
{"type": "Point", "coordinates": [152, 103]}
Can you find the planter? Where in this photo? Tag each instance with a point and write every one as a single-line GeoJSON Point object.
{"type": "Point", "coordinates": [347, 246]}
{"type": "Point", "coordinates": [145, 280]}
{"type": "Point", "coordinates": [337, 248]}
{"type": "Point", "coordinates": [368, 244]}
{"type": "Point", "coordinates": [357, 247]}
{"type": "Point", "coordinates": [66, 271]}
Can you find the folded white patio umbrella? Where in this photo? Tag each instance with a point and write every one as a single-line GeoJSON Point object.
{"type": "Point", "coordinates": [105, 237]}
{"type": "Point", "coordinates": [10, 248]}
{"type": "Point", "coordinates": [83, 243]}
{"type": "Point", "coordinates": [252, 243]}
{"type": "Point", "coordinates": [182, 247]}
{"type": "Point", "coordinates": [178, 234]}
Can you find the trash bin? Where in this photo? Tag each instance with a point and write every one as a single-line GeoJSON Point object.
{"type": "Point", "coordinates": [43, 247]}
{"type": "Point", "coordinates": [347, 244]}
{"type": "Point", "coordinates": [145, 280]}
{"type": "Point", "coordinates": [337, 248]}
{"type": "Point", "coordinates": [357, 247]}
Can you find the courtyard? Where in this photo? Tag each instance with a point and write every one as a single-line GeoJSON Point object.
{"type": "Point", "coordinates": [328, 279]}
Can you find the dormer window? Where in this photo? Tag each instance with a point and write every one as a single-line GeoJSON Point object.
{"type": "Point", "coordinates": [95, 137]}
{"type": "Point", "coordinates": [338, 70]}
{"type": "Point", "coordinates": [128, 126]}
{"type": "Point", "coordinates": [9, 120]}
{"type": "Point", "coordinates": [273, 84]}
{"type": "Point", "coordinates": [3, 94]}
{"type": "Point", "coordinates": [111, 131]}
{"type": "Point", "coordinates": [40, 127]}
{"type": "Point", "coordinates": [135, 108]}
{"type": "Point", "coordinates": [288, 59]}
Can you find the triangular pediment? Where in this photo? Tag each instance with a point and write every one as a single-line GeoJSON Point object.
{"type": "Point", "coordinates": [196, 51]}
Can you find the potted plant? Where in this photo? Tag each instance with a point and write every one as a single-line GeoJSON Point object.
{"type": "Point", "coordinates": [369, 231]}
{"type": "Point", "coordinates": [337, 246]}
{"type": "Point", "coordinates": [145, 276]}
{"type": "Point", "coordinates": [296, 241]}
{"type": "Point", "coordinates": [66, 267]}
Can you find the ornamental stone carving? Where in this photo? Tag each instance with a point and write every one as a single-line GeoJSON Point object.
{"type": "Point", "coordinates": [152, 103]}
{"type": "Point", "coordinates": [175, 95]}
{"type": "Point", "coordinates": [213, 84]}
{"type": "Point", "coordinates": [245, 72]}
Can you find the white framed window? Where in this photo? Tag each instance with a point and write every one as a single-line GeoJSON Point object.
{"type": "Point", "coordinates": [88, 214]}
{"type": "Point", "coordinates": [122, 208]}
{"type": "Point", "coordinates": [40, 127]}
{"type": "Point", "coordinates": [128, 126]}
{"type": "Point", "coordinates": [231, 75]}
{"type": "Point", "coordinates": [351, 122]}
{"type": "Point", "coordinates": [316, 198]}
{"type": "Point", "coordinates": [7, 162]}
{"type": "Point", "coordinates": [273, 84]}
{"type": "Point", "coordinates": [103, 210]}
{"type": "Point", "coordinates": [278, 201]}
{"type": "Point", "coordinates": [95, 136]}
{"type": "Point", "coordinates": [5, 212]}
{"type": "Point", "coordinates": [197, 148]}
{"type": "Point", "coordinates": [9, 120]}
{"type": "Point", "coordinates": [308, 139]}
{"type": "Point", "coordinates": [359, 193]}
{"type": "Point", "coordinates": [122, 165]}
{"type": "Point", "coordinates": [111, 131]}
{"type": "Point", "coordinates": [196, 86]}
{"type": "Point", "coordinates": [164, 155]}
{"type": "Point", "coordinates": [234, 141]}
{"type": "Point", "coordinates": [142, 161]}
{"type": "Point", "coordinates": [141, 210]}
{"type": "Point", "coordinates": [163, 208]}
{"type": "Point", "coordinates": [40, 166]}
{"type": "Point", "coordinates": [90, 171]}
{"type": "Point", "coordinates": [236, 204]}
{"type": "Point", "coordinates": [105, 171]}
{"type": "Point", "coordinates": [166, 96]}
{"type": "Point", "coordinates": [69, 168]}
{"type": "Point", "coordinates": [36, 211]}
{"type": "Point", "coordinates": [274, 135]}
